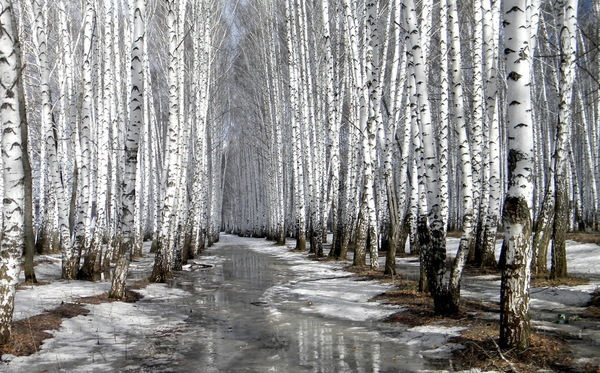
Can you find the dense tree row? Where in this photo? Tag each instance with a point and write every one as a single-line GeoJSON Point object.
{"type": "Point", "coordinates": [114, 160]}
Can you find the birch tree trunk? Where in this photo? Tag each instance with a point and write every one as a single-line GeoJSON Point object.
{"type": "Point", "coordinates": [69, 260]}
{"type": "Point", "coordinates": [373, 87]}
{"type": "Point", "coordinates": [515, 327]}
{"type": "Point", "coordinates": [126, 226]}
{"type": "Point", "coordinates": [432, 238]}
{"type": "Point", "coordinates": [491, 12]}
{"type": "Point", "coordinates": [298, 168]}
{"type": "Point", "coordinates": [83, 228]}
{"type": "Point", "coordinates": [28, 175]}
{"type": "Point", "coordinates": [568, 45]}
{"type": "Point", "coordinates": [13, 200]}
{"type": "Point", "coordinates": [163, 263]}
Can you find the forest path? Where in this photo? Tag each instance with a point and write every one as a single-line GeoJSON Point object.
{"type": "Point", "coordinates": [250, 313]}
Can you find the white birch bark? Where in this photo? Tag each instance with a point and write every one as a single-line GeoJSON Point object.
{"type": "Point", "coordinates": [370, 136]}
{"type": "Point", "coordinates": [491, 11]}
{"type": "Point", "coordinates": [164, 256]}
{"type": "Point", "coordinates": [332, 120]}
{"type": "Point", "coordinates": [435, 251]}
{"type": "Point", "coordinates": [13, 175]}
{"type": "Point", "coordinates": [52, 147]}
{"type": "Point", "coordinates": [517, 220]}
{"type": "Point", "coordinates": [568, 45]}
{"type": "Point", "coordinates": [464, 148]}
{"type": "Point", "coordinates": [200, 88]}
{"type": "Point", "coordinates": [444, 111]}
{"type": "Point", "coordinates": [83, 226]}
{"type": "Point", "coordinates": [126, 226]}
{"type": "Point", "coordinates": [298, 168]}
{"type": "Point", "coordinates": [478, 124]}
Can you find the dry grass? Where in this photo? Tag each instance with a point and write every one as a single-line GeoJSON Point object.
{"type": "Point", "coordinates": [454, 234]}
{"type": "Point", "coordinates": [28, 335]}
{"type": "Point", "coordinates": [544, 281]}
{"type": "Point", "coordinates": [584, 237]}
{"type": "Point", "coordinates": [418, 308]}
{"type": "Point", "coordinates": [130, 297]}
{"type": "Point", "coordinates": [480, 336]}
{"type": "Point", "coordinates": [595, 298]}
{"type": "Point", "coordinates": [367, 274]}
{"type": "Point", "coordinates": [478, 271]}
{"type": "Point", "coordinates": [139, 284]}
{"type": "Point", "coordinates": [482, 351]}
{"type": "Point", "coordinates": [593, 310]}
{"type": "Point", "coordinates": [27, 284]}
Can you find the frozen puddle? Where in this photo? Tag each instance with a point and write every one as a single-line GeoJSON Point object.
{"type": "Point", "coordinates": [245, 306]}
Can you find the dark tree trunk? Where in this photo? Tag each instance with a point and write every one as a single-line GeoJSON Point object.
{"type": "Point", "coordinates": [300, 240]}
{"type": "Point", "coordinates": [423, 239]}
{"type": "Point", "coordinates": [89, 269]}
{"type": "Point", "coordinates": [28, 180]}
{"type": "Point", "coordinates": [73, 202]}
{"type": "Point", "coordinates": [281, 237]}
{"type": "Point", "coordinates": [515, 328]}
{"type": "Point", "coordinates": [488, 251]}
{"type": "Point", "coordinates": [542, 232]}
{"type": "Point", "coordinates": [154, 245]}
{"type": "Point", "coordinates": [395, 233]}
{"type": "Point", "coordinates": [317, 238]}
{"type": "Point", "coordinates": [117, 289]}
{"type": "Point", "coordinates": [160, 271]}
{"type": "Point", "coordinates": [561, 224]}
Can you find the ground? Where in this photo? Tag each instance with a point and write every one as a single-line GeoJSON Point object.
{"type": "Point", "coordinates": [251, 291]}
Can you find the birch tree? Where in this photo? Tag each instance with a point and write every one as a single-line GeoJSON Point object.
{"type": "Point", "coordinates": [568, 45]}
{"type": "Point", "coordinates": [164, 256]}
{"type": "Point", "coordinates": [13, 175]}
{"type": "Point", "coordinates": [126, 226]}
{"type": "Point", "coordinates": [515, 327]}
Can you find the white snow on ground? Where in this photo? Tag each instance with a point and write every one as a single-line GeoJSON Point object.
{"type": "Point", "coordinates": [108, 333]}
{"type": "Point", "coordinates": [336, 296]}
{"type": "Point", "coordinates": [34, 300]}
{"type": "Point", "coordinates": [433, 338]}
{"type": "Point", "coordinates": [343, 298]}
{"type": "Point", "coordinates": [47, 267]}
{"type": "Point", "coordinates": [583, 259]}
{"type": "Point", "coordinates": [161, 292]}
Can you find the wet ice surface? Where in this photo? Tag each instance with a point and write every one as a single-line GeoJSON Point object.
{"type": "Point", "coordinates": [264, 310]}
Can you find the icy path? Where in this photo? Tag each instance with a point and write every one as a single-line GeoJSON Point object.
{"type": "Point", "coordinates": [255, 308]}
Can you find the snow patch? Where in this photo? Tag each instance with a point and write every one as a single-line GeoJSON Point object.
{"type": "Point", "coordinates": [34, 300]}
{"type": "Point", "coordinates": [111, 332]}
